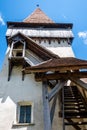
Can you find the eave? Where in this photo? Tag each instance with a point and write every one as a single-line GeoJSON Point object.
{"type": "Point", "coordinates": [60, 75]}
{"type": "Point", "coordinates": [37, 25]}
{"type": "Point", "coordinates": [61, 64]}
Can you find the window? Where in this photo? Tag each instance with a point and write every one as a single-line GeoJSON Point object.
{"type": "Point", "coordinates": [25, 113]}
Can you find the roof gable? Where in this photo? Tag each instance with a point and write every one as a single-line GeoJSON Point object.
{"type": "Point", "coordinates": [38, 16]}
{"type": "Point", "coordinates": [40, 51]}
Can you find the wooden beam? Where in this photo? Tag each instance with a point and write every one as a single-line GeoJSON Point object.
{"type": "Point", "coordinates": [24, 49]}
{"type": "Point", "coordinates": [46, 107]}
{"type": "Point", "coordinates": [57, 68]}
{"type": "Point", "coordinates": [23, 74]}
{"type": "Point", "coordinates": [10, 53]}
{"type": "Point", "coordinates": [79, 82]}
{"type": "Point", "coordinates": [9, 69]}
{"type": "Point", "coordinates": [56, 89]}
{"type": "Point", "coordinates": [58, 75]}
{"type": "Point", "coordinates": [52, 111]}
{"type": "Point", "coordinates": [74, 125]}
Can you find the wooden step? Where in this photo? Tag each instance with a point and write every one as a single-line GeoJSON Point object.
{"type": "Point", "coordinates": [76, 123]}
{"type": "Point", "coordinates": [81, 114]}
{"type": "Point", "coordinates": [74, 107]}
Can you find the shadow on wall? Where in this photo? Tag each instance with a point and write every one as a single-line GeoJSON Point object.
{"type": "Point", "coordinates": [14, 91]}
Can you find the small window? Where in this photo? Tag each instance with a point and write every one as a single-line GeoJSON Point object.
{"type": "Point", "coordinates": [25, 112]}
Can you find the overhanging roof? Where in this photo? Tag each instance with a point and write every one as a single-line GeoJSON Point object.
{"type": "Point", "coordinates": [61, 64]}
{"type": "Point", "coordinates": [37, 25]}
{"type": "Point", "coordinates": [39, 19]}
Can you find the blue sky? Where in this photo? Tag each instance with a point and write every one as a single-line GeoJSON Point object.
{"type": "Point", "coordinates": [68, 11]}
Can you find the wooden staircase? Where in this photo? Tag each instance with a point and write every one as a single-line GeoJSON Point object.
{"type": "Point", "coordinates": [74, 108]}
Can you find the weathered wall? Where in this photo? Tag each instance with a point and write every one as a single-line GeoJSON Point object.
{"type": "Point", "coordinates": [17, 90]}
{"type": "Point", "coordinates": [41, 32]}
{"type": "Point", "coordinates": [62, 49]}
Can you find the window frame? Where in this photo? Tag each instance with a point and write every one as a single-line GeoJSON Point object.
{"type": "Point", "coordinates": [12, 49]}
{"type": "Point", "coordinates": [24, 103]}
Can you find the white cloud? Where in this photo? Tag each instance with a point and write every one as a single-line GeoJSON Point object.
{"type": "Point", "coordinates": [1, 20]}
{"type": "Point", "coordinates": [83, 35]}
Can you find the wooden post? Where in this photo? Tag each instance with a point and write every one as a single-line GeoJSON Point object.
{"type": "Point", "coordinates": [46, 107]}
{"type": "Point", "coordinates": [63, 115]}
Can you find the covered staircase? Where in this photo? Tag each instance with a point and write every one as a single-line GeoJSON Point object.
{"type": "Point", "coordinates": [74, 108]}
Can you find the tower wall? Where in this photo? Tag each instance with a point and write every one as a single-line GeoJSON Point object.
{"type": "Point", "coordinates": [62, 49]}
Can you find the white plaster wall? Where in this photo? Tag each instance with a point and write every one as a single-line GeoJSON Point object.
{"type": "Point", "coordinates": [17, 90]}
{"type": "Point", "coordinates": [41, 32]}
{"type": "Point", "coordinates": [28, 90]}
{"type": "Point", "coordinates": [62, 49]}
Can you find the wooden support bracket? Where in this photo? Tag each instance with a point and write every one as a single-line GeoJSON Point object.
{"type": "Point", "coordinates": [79, 82]}
{"type": "Point", "coordinates": [9, 69]}
{"type": "Point", "coordinates": [52, 111]}
{"type": "Point", "coordinates": [56, 89]}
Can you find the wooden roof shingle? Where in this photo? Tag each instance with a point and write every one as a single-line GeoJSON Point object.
{"type": "Point", "coordinates": [60, 64]}
{"type": "Point", "coordinates": [38, 16]}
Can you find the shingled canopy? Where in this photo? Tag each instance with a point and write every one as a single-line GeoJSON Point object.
{"type": "Point", "coordinates": [59, 64]}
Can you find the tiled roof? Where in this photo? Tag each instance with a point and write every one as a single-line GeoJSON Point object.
{"type": "Point", "coordinates": [59, 64]}
{"type": "Point", "coordinates": [38, 16]}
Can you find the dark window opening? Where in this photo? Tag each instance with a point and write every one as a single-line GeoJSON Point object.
{"type": "Point", "coordinates": [25, 114]}
{"type": "Point", "coordinates": [19, 54]}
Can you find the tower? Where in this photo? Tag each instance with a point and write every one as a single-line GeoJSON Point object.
{"type": "Point", "coordinates": [38, 65]}
{"type": "Point", "coordinates": [56, 37]}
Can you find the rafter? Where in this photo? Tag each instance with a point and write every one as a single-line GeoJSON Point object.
{"type": "Point", "coordinates": [79, 82]}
